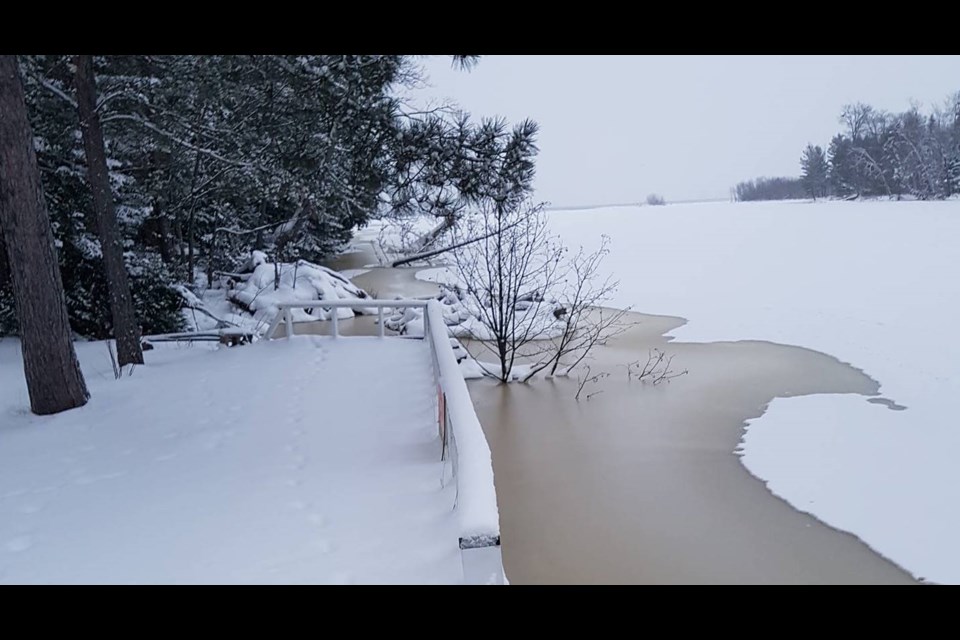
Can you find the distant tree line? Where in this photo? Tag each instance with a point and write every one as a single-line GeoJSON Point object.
{"type": "Point", "coordinates": [913, 153]}
{"type": "Point", "coordinates": [769, 189]}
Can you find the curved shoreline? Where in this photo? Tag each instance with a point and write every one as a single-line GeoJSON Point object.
{"type": "Point", "coordinates": [576, 511]}
{"type": "Point", "coordinates": [575, 503]}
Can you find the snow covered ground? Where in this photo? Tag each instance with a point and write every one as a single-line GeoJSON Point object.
{"type": "Point", "coordinates": [872, 283]}
{"type": "Point", "coordinates": [301, 461]}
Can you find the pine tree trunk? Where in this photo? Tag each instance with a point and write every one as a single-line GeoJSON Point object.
{"type": "Point", "coordinates": [54, 380]}
{"type": "Point", "coordinates": [125, 327]}
{"type": "Point", "coordinates": [190, 264]}
{"type": "Point", "coordinates": [166, 235]}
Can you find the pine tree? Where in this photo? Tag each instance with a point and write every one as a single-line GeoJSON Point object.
{"type": "Point", "coordinates": [54, 380]}
{"type": "Point", "coordinates": [208, 157]}
{"type": "Point", "coordinates": [813, 169]}
{"type": "Point", "coordinates": [953, 173]}
{"type": "Point", "coordinates": [841, 170]}
{"type": "Point", "coordinates": [126, 330]}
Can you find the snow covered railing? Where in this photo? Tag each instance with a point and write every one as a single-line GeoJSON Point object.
{"type": "Point", "coordinates": [284, 315]}
{"type": "Point", "coordinates": [460, 431]}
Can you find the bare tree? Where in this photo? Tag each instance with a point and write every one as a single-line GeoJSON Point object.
{"type": "Point", "coordinates": [125, 326]}
{"type": "Point", "coordinates": [506, 273]}
{"type": "Point", "coordinates": [530, 300]}
{"type": "Point", "coordinates": [856, 118]}
{"type": "Point", "coordinates": [586, 322]}
{"type": "Point", "coordinates": [54, 380]}
{"type": "Point", "coordinates": [592, 379]}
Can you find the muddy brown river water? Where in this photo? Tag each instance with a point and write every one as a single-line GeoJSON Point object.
{"type": "Point", "coordinates": [641, 483]}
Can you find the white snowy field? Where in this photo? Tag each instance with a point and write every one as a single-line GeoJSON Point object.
{"type": "Point", "coordinates": [874, 284]}
{"type": "Point", "coordinates": [301, 461]}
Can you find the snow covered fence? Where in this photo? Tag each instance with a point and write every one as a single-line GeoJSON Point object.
{"type": "Point", "coordinates": [460, 430]}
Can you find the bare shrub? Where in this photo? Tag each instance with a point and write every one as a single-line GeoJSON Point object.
{"type": "Point", "coordinates": [655, 370]}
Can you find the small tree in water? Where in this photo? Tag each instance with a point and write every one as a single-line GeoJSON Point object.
{"type": "Point", "coordinates": [530, 297]}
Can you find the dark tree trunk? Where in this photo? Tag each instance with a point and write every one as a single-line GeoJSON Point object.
{"type": "Point", "coordinates": [190, 264]}
{"type": "Point", "coordinates": [126, 330]}
{"type": "Point", "coordinates": [178, 245]}
{"type": "Point", "coordinates": [54, 380]}
{"type": "Point", "coordinates": [165, 235]}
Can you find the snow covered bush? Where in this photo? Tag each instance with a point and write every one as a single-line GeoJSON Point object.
{"type": "Point", "coordinates": [263, 285]}
{"type": "Point", "coordinates": [655, 199]}
{"type": "Point", "coordinates": [157, 304]}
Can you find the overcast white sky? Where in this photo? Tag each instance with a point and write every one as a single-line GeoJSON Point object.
{"type": "Point", "coordinates": [615, 128]}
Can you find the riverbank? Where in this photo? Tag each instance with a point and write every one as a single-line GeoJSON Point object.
{"type": "Point", "coordinates": [642, 484]}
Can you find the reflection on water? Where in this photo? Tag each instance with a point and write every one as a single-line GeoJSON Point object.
{"type": "Point", "coordinates": [382, 282]}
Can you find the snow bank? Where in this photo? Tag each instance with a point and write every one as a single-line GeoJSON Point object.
{"type": "Point", "coordinates": [308, 460]}
{"type": "Point", "coordinates": [872, 283]}
{"type": "Point", "coordinates": [476, 495]}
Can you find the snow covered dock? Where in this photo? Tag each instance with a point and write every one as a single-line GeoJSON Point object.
{"type": "Point", "coordinates": [310, 460]}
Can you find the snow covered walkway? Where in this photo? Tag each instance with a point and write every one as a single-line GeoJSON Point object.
{"type": "Point", "coordinates": [308, 460]}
